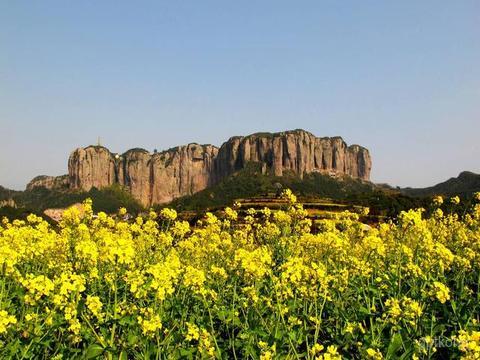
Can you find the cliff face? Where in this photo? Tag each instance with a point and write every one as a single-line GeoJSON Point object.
{"type": "Point", "coordinates": [93, 166]}
{"type": "Point", "coordinates": [297, 151]}
{"type": "Point", "coordinates": [151, 178]}
{"type": "Point", "coordinates": [184, 170]}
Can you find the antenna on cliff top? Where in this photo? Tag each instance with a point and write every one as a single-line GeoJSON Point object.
{"type": "Point", "coordinates": [98, 142]}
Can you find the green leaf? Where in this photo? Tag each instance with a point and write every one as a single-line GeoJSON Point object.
{"type": "Point", "coordinates": [132, 339]}
{"type": "Point", "coordinates": [186, 353]}
{"type": "Point", "coordinates": [94, 350]}
{"type": "Point", "coordinates": [364, 310]}
{"type": "Point", "coordinates": [395, 343]}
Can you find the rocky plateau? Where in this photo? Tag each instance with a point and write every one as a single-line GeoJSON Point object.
{"type": "Point", "coordinates": [159, 177]}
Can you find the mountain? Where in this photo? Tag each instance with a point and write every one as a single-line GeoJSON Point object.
{"type": "Point", "coordinates": [465, 184]}
{"type": "Point", "coordinates": [6, 194]}
{"type": "Point", "coordinates": [7, 197]}
{"type": "Point", "coordinates": [160, 177]}
{"type": "Point", "coordinates": [49, 182]}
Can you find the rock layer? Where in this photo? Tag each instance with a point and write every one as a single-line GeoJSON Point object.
{"type": "Point", "coordinates": [154, 178]}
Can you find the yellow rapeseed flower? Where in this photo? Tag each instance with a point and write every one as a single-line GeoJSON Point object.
{"type": "Point", "coordinates": [6, 320]}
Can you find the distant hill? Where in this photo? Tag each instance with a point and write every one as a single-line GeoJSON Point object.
{"type": "Point", "coordinates": [465, 185]}
{"type": "Point", "coordinates": [6, 194]}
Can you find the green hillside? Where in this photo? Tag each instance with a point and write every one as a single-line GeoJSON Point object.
{"type": "Point", "coordinates": [251, 183]}
{"type": "Point", "coordinates": [109, 199]}
{"type": "Point", "coordinates": [464, 185]}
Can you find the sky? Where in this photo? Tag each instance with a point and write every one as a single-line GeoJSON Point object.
{"type": "Point", "coordinates": [401, 78]}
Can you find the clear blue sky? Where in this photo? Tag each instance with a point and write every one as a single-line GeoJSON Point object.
{"type": "Point", "coordinates": [399, 77]}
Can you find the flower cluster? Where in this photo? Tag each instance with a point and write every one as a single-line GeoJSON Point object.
{"type": "Point", "coordinates": [246, 283]}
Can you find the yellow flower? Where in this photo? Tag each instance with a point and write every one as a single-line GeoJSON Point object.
{"type": "Point", "coordinates": [455, 200]}
{"type": "Point", "coordinates": [165, 275]}
{"type": "Point", "coordinates": [405, 309]}
{"type": "Point", "coordinates": [477, 196]}
{"type": "Point", "coordinates": [31, 317]}
{"type": "Point", "coordinates": [91, 274]}
{"type": "Point", "coordinates": [193, 333]}
{"type": "Point", "coordinates": [468, 343]}
{"type": "Point", "coordinates": [194, 278]}
{"type": "Point", "coordinates": [231, 214]}
{"type": "Point", "coordinates": [282, 218]}
{"type": "Point", "coordinates": [267, 355]}
{"type": "Point", "coordinates": [180, 228]}
{"type": "Point", "coordinates": [267, 352]}
{"type": "Point", "coordinates": [168, 214]}
{"type": "Point", "coordinates": [38, 287]}
{"type": "Point", "coordinates": [219, 271]}
{"type": "Point", "coordinates": [317, 348]}
{"type": "Point", "coordinates": [5, 321]}
{"type": "Point", "coordinates": [150, 324]}
{"type": "Point", "coordinates": [441, 292]}
{"type": "Point", "coordinates": [438, 200]}
{"type": "Point", "coordinates": [393, 308]}
{"type": "Point", "coordinates": [94, 305]}
{"type": "Point", "coordinates": [256, 263]}
{"type": "Point", "coordinates": [205, 343]}
{"type": "Point", "coordinates": [288, 195]}
{"type": "Point", "coordinates": [332, 353]}
{"type": "Point", "coordinates": [374, 354]}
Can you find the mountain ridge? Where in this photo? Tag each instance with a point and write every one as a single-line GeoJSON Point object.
{"type": "Point", "coordinates": [160, 177]}
{"type": "Point", "coordinates": [466, 183]}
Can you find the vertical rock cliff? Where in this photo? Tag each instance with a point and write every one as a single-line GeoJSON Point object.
{"type": "Point", "coordinates": [150, 178]}
{"type": "Point", "coordinates": [93, 166]}
{"type": "Point", "coordinates": [297, 151]}
{"type": "Point", "coordinates": [185, 170]}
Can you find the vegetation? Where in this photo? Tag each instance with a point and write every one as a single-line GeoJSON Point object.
{"type": "Point", "coordinates": [466, 184]}
{"type": "Point", "coordinates": [108, 199]}
{"type": "Point", "coordinates": [263, 288]}
{"type": "Point", "coordinates": [14, 213]}
{"type": "Point", "coordinates": [6, 194]}
{"type": "Point", "coordinates": [387, 204]}
{"type": "Point", "coordinates": [250, 182]}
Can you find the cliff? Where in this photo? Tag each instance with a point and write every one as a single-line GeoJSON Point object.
{"type": "Point", "coordinates": [154, 178]}
{"type": "Point", "coordinates": [151, 178]}
{"type": "Point", "coordinates": [298, 151]}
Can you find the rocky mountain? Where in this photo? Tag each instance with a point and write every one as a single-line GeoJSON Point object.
{"type": "Point", "coordinates": [298, 151]}
{"type": "Point", "coordinates": [49, 182]}
{"type": "Point", "coordinates": [159, 177]}
{"type": "Point", "coordinates": [151, 178]}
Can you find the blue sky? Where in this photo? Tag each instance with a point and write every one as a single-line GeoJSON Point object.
{"type": "Point", "coordinates": [399, 77]}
